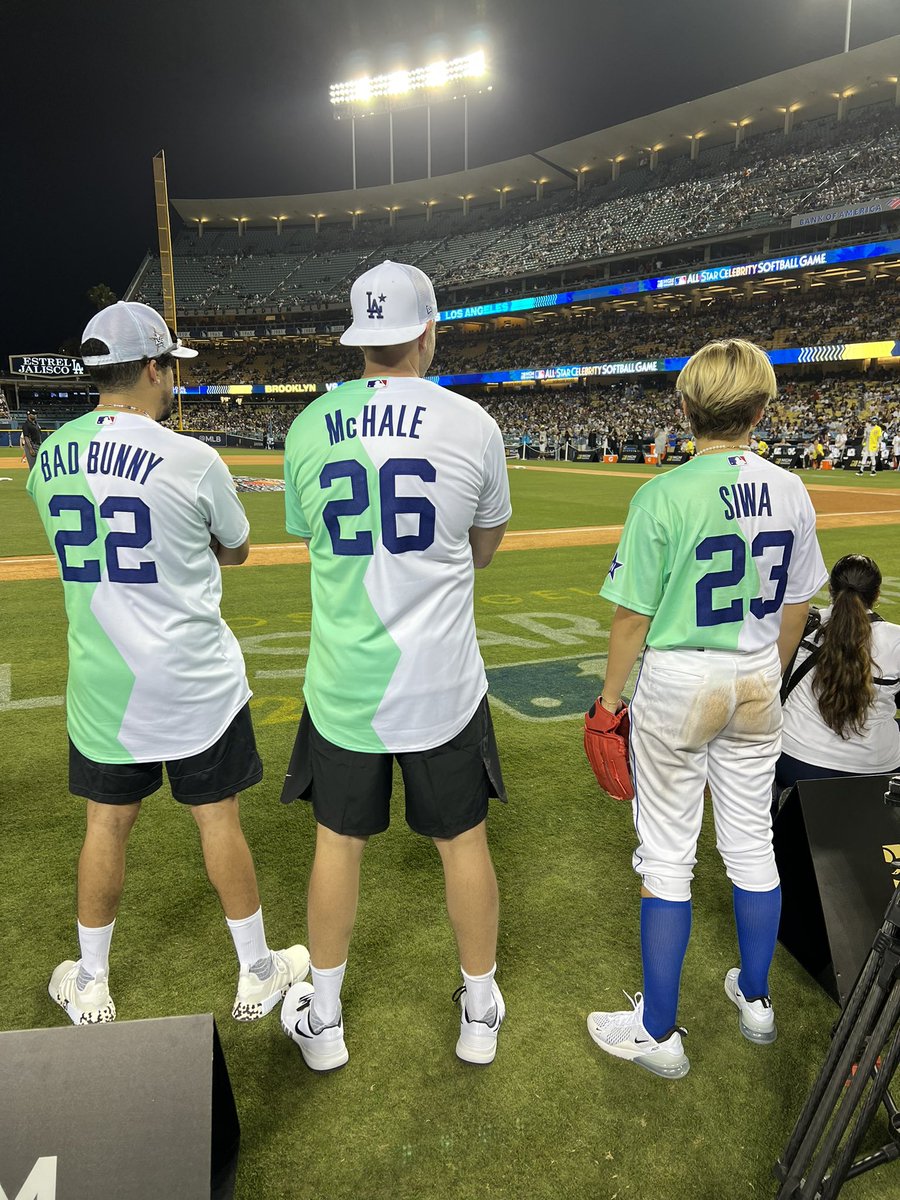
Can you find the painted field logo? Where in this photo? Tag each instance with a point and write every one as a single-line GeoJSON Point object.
{"type": "Point", "coordinates": [550, 689]}
{"type": "Point", "coordinates": [892, 858]}
{"type": "Point", "coordinates": [251, 483]}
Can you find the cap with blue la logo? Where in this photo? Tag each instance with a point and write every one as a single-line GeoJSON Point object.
{"type": "Point", "coordinates": [392, 303]}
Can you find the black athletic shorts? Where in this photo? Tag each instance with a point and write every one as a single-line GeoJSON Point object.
{"type": "Point", "coordinates": [447, 788]}
{"type": "Point", "coordinates": [225, 768]}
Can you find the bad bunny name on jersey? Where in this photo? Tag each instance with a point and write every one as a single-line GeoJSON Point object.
{"type": "Point", "coordinates": [375, 420]}
{"type": "Point", "coordinates": [106, 458]}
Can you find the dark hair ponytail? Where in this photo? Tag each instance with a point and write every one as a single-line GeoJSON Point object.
{"type": "Point", "coordinates": [843, 677]}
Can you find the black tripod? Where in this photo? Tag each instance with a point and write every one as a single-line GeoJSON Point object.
{"type": "Point", "coordinates": [867, 1034]}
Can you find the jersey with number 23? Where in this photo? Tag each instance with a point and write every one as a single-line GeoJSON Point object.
{"type": "Point", "coordinates": [712, 551]}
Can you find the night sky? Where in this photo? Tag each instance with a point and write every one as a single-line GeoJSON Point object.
{"type": "Point", "coordinates": [237, 95]}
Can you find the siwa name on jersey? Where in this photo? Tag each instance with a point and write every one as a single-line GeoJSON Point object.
{"type": "Point", "coordinates": [745, 500]}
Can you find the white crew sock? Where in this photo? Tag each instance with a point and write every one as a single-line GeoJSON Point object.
{"type": "Point", "coordinates": [326, 1003]}
{"type": "Point", "coordinates": [94, 942]}
{"type": "Point", "coordinates": [479, 999]}
{"type": "Point", "coordinates": [249, 937]}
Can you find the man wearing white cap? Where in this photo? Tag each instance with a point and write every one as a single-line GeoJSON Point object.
{"type": "Point", "coordinates": [141, 518]}
{"type": "Point", "coordinates": [400, 489]}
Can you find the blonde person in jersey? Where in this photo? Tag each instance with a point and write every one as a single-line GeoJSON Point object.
{"type": "Point", "coordinates": [141, 519]}
{"type": "Point", "coordinates": [400, 489]}
{"type": "Point", "coordinates": [839, 712]}
{"type": "Point", "coordinates": [714, 572]}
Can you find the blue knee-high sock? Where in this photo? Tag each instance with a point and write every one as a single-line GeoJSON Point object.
{"type": "Point", "coordinates": [756, 915]}
{"type": "Point", "coordinates": [665, 930]}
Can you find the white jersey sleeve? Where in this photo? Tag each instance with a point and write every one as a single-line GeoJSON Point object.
{"type": "Point", "coordinates": [494, 505]}
{"type": "Point", "coordinates": [218, 500]}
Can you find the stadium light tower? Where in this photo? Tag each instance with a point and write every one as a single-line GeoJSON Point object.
{"type": "Point", "coordinates": [847, 26]}
{"type": "Point", "coordinates": [453, 79]}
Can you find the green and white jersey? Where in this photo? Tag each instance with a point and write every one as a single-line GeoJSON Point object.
{"type": "Point", "coordinates": [385, 477]}
{"type": "Point", "coordinates": [129, 507]}
{"type": "Point", "coordinates": [712, 550]}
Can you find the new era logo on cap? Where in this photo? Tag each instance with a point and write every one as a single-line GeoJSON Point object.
{"type": "Point", "coordinates": [391, 303]}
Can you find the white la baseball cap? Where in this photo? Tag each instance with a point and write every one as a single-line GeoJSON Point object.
{"type": "Point", "coordinates": [391, 303]}
{"type": "Point", "coordinates": [132, 331]}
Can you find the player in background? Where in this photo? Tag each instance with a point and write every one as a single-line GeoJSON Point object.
{"type": "Point", "coordinates": [870, 447]}
{"type": "Point", "coordinates": [141, 519]}
{"type": "Point", "coordinates": [400, 488]}
{"type": "Point", "coordinates": [895, 450]}
{"type": "Point", "coordinates": [716, 566]}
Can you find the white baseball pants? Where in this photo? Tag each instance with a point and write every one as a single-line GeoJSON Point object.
{"type": "Point", "coordinates": [701, 716]}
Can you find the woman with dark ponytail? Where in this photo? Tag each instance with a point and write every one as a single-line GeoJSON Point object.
{"type": "Point", "coordinates": [840, 695]}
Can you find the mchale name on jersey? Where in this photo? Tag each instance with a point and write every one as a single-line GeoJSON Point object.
{"type": "Point", "coordinates": [374, 421]}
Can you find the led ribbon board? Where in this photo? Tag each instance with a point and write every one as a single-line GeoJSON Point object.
{"type": "Point", "coordinates": [660, 283]}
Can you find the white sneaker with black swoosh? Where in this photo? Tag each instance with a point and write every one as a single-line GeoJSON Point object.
{"type": "Point", "coordinates": [757, 1018]}
{"type": "Point", "coordinates": [323, 1048]}
{"type": "Point", "coordinates": [477, 1042]}
{"type": "Point", "coordinates": [623, 1035]}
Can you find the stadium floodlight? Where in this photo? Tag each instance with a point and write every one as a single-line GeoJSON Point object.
{"type": "Point", "coordinates": [420, 87]}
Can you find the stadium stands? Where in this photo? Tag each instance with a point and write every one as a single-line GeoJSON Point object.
{"type": "Point", "coordinates": [760, 183]}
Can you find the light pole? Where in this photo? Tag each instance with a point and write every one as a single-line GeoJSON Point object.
{"type": "Point", "coordinates": [847, 27]}
{"type": "Point", "coordinates": [419, 88]}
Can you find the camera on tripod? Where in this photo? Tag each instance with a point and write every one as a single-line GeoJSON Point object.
{"type": "Point", "coordinates": [892, 795]}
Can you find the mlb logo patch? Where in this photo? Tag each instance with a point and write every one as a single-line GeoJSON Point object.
{"type": "Point", "coordinates": [376, 383]}
{"type": "Point", "coordinates": [737, 460]}
{"type": "Point", "coordinates": [107, 419]}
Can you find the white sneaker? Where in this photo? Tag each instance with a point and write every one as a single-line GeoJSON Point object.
{"type": "Point", "coordinates": [256, 997]}
{"type": "Point", "coordinates": [90, 1005]}
{"type": "Point", "coordinates": [477, 1042]}
{"type": "Point", "coordinates": [322, 1049]}
{"type": "Point", "coordinates": [757, 1016]}
{"type": "Point", "coordinates": [623, 1035]}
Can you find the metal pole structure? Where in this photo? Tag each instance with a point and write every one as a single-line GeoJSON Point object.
{"type": "Point", "coordinates": [428, 137]}
{"type": "Point", "coordinates": [847, 27]}
{"type": "Point", "coordinates": [465, 133]}
{"type": "Point", "coordinates": [353, 146]}
{"type": "Point", "coordinates": [391, 125]}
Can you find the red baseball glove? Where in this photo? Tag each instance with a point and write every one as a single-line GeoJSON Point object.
{"type": "Point", "coordinates": [606, 745]}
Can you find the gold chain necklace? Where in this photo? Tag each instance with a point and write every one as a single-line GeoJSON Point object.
{"type": "Point", "coordinates": [710, 449]}
{"type": "Point", "coordinates": [130, 407]}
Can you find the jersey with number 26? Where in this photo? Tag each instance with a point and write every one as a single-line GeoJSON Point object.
{"type": "Point", "coordinates": [385, 477]}
{"type": "Point", "coordinates": [155, 674]}
{"type": "Point", "coordinates": [712, 551]}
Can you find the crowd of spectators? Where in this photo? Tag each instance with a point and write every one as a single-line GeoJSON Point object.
{"type": "Point", "coordinates": [762, 182]}
{"type": "Point", "coordinates": [852, 313]}
{"type": "Point", "coordinates": [609, 415]}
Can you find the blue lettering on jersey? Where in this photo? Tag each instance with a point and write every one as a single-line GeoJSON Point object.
{"type": "Point", "coordinates": [743, 500]}
{"type": "Point", "coordinates": [121, 459]}
{"type": "Point", "coordinates": [61, 464]}
{"type": "Point", "coordinates": [380, 421]}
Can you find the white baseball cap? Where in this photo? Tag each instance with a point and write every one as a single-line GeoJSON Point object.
{"type": "Point", "coordinates": [132, 331]}
{"type": "Point", "coordinates": [391, 303]}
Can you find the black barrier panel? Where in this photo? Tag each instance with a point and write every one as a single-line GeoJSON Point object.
{"type": "Point", "coordinates": [676, 458]}
{"type": "Point", "coordinates": [631, 456]}
{"type": "Point", "coordinates": [127, 1111]}
{"type": "Point", "coordinates": [838, 851]}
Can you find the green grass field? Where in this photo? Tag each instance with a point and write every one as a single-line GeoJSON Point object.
{"type": "Point", "coordinates": [552, 1117]}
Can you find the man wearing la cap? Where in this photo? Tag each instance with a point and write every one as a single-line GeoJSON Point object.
{"type": "Point", "coordinates": [141, 518]}
{"type": "Point", "coordinates": [400, 489]}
